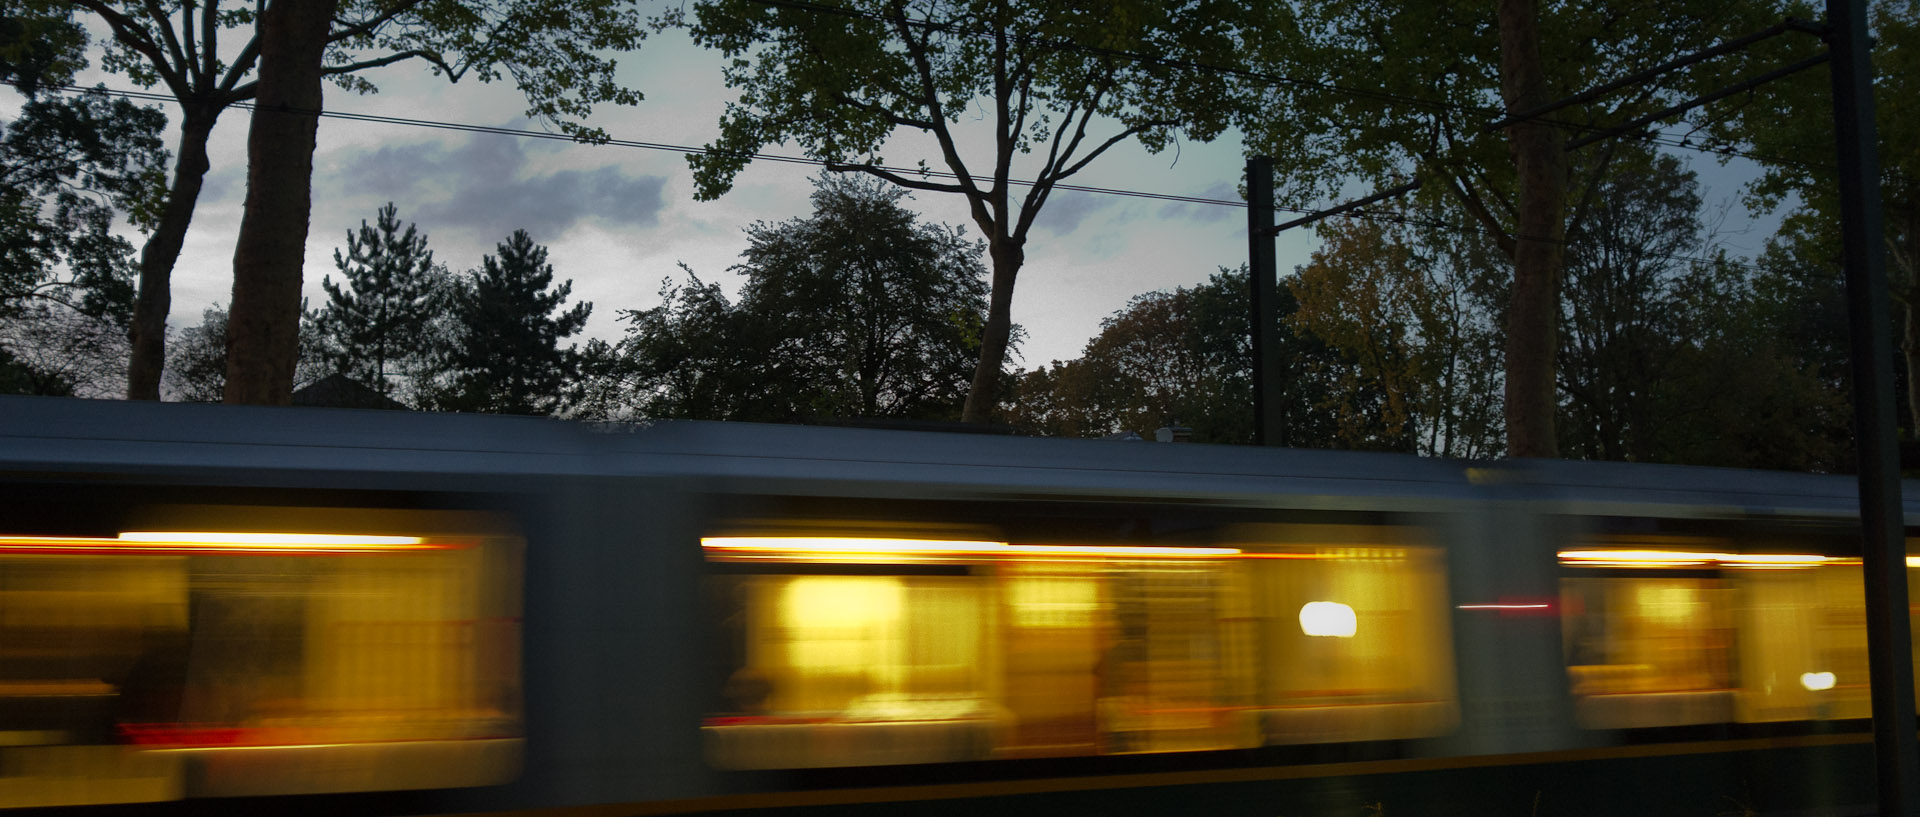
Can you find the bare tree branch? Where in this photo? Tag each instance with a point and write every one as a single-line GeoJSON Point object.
{"type": "Point", "coordinates": [896, 178]}
{"type": "Point", "coordinates": [368, 25]}
{"type": "Point", "coordinates": [159, 17]}
{"type": "Point", "coordinates": [397, 56]}
{"type": "Point", "coordinates": [930, 97]}
{"type": "Point", "coordinates": [131, 34]}
{"type": "Point", "coordinates": [881, 111]}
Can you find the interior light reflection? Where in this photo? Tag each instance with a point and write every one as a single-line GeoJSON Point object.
{"type": "Point", "coordinates": [1328, 619]}
{"type": "Point", "coordinates": [225, 542]}
{"type": "Point", "coordinates": [1681, 558]}
{"type": "Point", "coordinates": [835, 546]}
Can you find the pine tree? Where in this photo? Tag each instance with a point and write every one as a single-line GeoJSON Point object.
{"type": "Point", "coordinates": [507, 357]}
{"type": "Point", "coordinates": [373, 318]}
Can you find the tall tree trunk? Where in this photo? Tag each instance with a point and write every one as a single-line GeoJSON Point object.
{"type": "Point", "coordinates": [149, 330]}
{"type": "Point", "coordinates": [1007, 254]}
{"type": "Point", "coordinates": [1533, 312]}
{"type": "Point", "coordinates": [263, 327]}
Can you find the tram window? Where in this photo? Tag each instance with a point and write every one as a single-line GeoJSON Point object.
{"type": "Point", "coordinates": [1804, 643]}
{"type": "Point", "coordinates": [139, 665]}
{"type": "Point", "coordinates": [1355, 638]}
{"type": "Point", "coordinates": [1700, 631]}
{"type": "Point", "coordinates": [860, 652]}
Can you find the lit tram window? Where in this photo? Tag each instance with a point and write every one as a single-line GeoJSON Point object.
{"type": "Point", "coordinates": [849, 651]}
{"type": "Point", "coordinates": [1776, 635]}
{"type": "Point", "coordinates": [281, 655]}
{"type": "Point", "coordinates": [1392, 677]}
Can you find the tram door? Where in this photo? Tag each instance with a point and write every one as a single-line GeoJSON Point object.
{"type": "Point", "coordinates": [1052, 628]}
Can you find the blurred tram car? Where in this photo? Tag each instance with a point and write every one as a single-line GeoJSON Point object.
{"type": "Point", "coordinates": [221, 609]}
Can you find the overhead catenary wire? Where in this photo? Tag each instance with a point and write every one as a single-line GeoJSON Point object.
{"type": "Point", "coordinates": [497, 130]}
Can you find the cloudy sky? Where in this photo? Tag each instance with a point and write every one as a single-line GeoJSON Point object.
{"type": "Point", "coordinates": [620, 220]}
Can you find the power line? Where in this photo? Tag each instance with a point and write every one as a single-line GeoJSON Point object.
{"type": "Point", "coordinates": [462, 127]}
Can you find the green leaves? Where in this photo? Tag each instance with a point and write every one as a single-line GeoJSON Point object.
{"type": "Point", "coordinates": [68, 166]}
{"type": "Point", "coordinates": [838, 77]}
{"type": "Point", "coordinates": [858, 310]}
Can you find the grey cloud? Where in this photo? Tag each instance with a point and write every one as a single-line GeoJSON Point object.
{"type": "Point", "coordinates": [482, 186]}
{"type": "Point", "coordinates": [1065, 209]}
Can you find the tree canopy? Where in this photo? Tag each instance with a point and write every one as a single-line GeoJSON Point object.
{"type": "Point", "coordinates": [1058, 84]}
{"type": "Point", "coordinates": [858, 310]}
{"type": "Point", "coordinates": [69, 166]}
{"type": "Point", "coordinates": [506, 357]}
{"type": "Point", "coordinates": [374, 317]}
{"type": "Point", "coordinates": [1390, 92]}
{"type": "Point", "coordinates": [206, 56]}
{"type": "Point", "coordinates": [1177, 358]}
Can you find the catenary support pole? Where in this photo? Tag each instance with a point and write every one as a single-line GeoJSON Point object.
{"type": "Point", "coordinates": [1268, 428]}
{"type": "Point", "coordinates": [1889, 650]}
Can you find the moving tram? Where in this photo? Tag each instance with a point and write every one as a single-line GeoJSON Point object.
{"type": "Point", "coordinates": [227, 609]}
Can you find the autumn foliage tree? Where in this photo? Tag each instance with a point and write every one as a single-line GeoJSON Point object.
{"type": "Point", "coordinates": [1403, 91]}
{"type": "Point", "coordinates": [1410, 320]}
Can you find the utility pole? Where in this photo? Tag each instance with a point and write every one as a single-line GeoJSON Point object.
{"type": "Point", "coordinates": [1262, 275]}
{"type": "Point", "coordinates": [1884, 547]}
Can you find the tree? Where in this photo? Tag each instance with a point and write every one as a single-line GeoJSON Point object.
{"type": "Point", "coordinates": [507, 357]}
{"type": "Point", "coordinates": [68, 167]}
{"type": "Point", "coordinates": [39, 46]}
{"type": "Point", "coordinates": [375, 317]}
{"type": "Point", "coordinates": [1621, 325]}
{"type": "Point", "coordinates": [263, 326]}
{"type": "Point", "coordinates": [53, 349]}
{"type": "Point", "coordinates": [840, 79]}
{"type": "Point", "coordinates": [1789, 123]}
{"type": "Point", "coordinates": [1183, 357]}
{"type": "Point", "coordinates": [857, 310]}
{"type": "Point", "coordinates": [555, 50]}
{"type": "Point", "coordinates": [1393, 92]}
{"type": "Point", "coordinates": [197, 359]}
{"type": "Point", "coordinates": [1409, 315]}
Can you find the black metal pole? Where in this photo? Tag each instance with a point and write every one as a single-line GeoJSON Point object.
{"type": "Point", "coordinates": [1889, 650]}
{"type": "Point", "coordinates": [1268, 426]}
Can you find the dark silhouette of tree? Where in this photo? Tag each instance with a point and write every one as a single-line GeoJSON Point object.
{"type": "Point", "coordinates": [555, 50]}
{"type": "Point", "coordinates": [375, 317]}
{"type": "Point", "coordinates": [1183, 357]}
{"type": "Point", "coordinates": [52, 349]}
{"type": "Point", "coordinates": [858, 310]}
{"type": "Point", "coordinates": [263, 324]}
{"type": "Point", "coordinates": [1793, 118]}
{"type": "Point", "coordinates": [1406, 90]}
{"type": "Point", "coordinates": [40, 45]}
{"type": "Point", "coordinates": [68, 167]}
{"type": "Point", "coordinates": [1048, 77]}
{"type": "Point", "coordinates": [197, 359]}
{"type": "Point", "coordinates": [1620, 323]}
{"type": "Point", "coordinates": [506, 356]}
